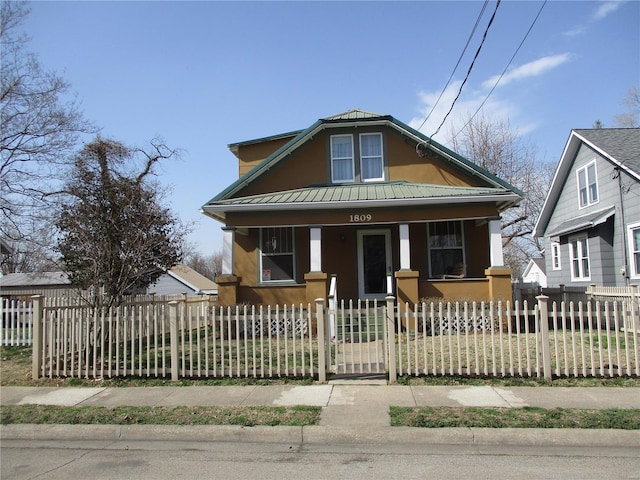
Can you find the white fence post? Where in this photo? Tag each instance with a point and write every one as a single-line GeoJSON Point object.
{"type": "Point", "coordinates": [391, 338]}
{"type": "Point", "coordinates": [543, 326]}
{"type": "Point", "coordinates": [173, 337]}
{"type": "Point", "coordinates": [36, 344]}
{"type": "Point", "coordinates": [322, 339]}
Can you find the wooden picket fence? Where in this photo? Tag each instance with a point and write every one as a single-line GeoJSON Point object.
{"type": "Point", "coordinates": [197, 339]}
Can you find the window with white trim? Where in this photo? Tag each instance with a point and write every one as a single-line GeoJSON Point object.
{"type": "Point", "coordinates": [587, 185]}
{"type": "Point", "coordinates": [446, 249]}
{"type": "Point", "coordinates": [342, 168]}
{"type": "Point", "coordinates": [276, 254]}
{"type": "Point", "coordinates": [555, 256]}
{"type": "Point", "coordinates": [371, 160]}
{"type": "Point", "coordinates": [579, 254]}
{"type": "Point", "coordinates": [633, 237]}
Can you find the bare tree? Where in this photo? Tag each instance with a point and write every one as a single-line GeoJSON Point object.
{"type": "Point", "coordinates": [209, 266]}
{"type": "Point", "coordinates": [495, 146]}
{"type": "Point", "coordinates": [632, 101]}
{"type": "Point", "coordinates": [115, 235]}
{"type": "Point", "coordinates": [38, 132]}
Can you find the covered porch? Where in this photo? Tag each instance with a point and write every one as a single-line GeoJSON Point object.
{"type": "Point", "coordinates": [456, 259]}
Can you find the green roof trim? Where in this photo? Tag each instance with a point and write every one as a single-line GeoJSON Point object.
{"type": "Point", "coordinates": [356, 116]}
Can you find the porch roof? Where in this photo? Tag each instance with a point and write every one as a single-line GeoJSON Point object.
{"type": "Point", "coordinates": [394, 194]}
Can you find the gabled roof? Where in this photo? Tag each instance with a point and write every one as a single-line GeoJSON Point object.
{"type": "Point", "coordinates": [192, 279]}
{"type": "Point", "coordinates": [620, 146]}
{"type": "Point", "coordinates": [42, 279]}
{"type": "Point", "coordinates": [353, 118]}
{"type": "Point", "coordinates": [537, 262]}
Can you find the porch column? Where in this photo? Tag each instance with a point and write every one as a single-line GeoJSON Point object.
{"type": "Point", "coordinates": [227, 281]}
{"type": "Point", "coordinates": [228, 237]}
{"type": "Point", "coordinates": [498, 275]}
{"type": "Point", "coordinates": [406, 279]}
{"type": "Point", "coordinates": [405, 247]}
{"type": "Point", "coordinates": [495, 243]}
{"type": "Point", "coordinates": [316, 279]}
{"type": "Point", "coordinates": [315, 249]}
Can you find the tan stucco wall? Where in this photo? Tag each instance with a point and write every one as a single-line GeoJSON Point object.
{"type": "Point", "coordinates": [252, 154]}
{"type": "Point", "coordinates": [310, 164]}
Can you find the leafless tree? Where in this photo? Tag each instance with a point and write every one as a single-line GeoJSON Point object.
{"type": "Point", "coordinates": [209, 266]}
{"type": "Point", "coordinates": [497, 147]}
{"type": "Point", "coordinates": [632, 101]}
{"type": "Point", "coordinates": [39, 129]}
{"type": "Point", "coordinates": [115, 235]}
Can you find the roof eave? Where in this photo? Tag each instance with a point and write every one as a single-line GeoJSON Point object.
{"type": "Point", "coordinates": [503, 201]}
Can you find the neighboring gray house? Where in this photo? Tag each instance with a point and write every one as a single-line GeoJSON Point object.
{"type": "Point", "coordinates": [182, 279]}
{"type": "Point", "coordinates": [590, 220]}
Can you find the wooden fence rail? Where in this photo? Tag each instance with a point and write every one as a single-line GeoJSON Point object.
{"type": "Point", "coordinates": [178, 339]}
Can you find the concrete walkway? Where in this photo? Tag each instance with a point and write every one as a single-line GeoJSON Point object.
{"type": "Point", "coordinates": [350, 411]}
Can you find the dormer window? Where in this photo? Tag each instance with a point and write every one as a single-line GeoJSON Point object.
{"type": "Point", "coordinates": [342, 159]}
{"type": "Point", "coordinates": [368, 149]}
{"type": "Point", "coordinates": [371, 164]}
{"type": "Point", "coordinates": [587, 185]}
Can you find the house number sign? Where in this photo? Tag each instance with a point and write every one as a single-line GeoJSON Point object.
{"type": "Point", "coordinates": [360, 218]}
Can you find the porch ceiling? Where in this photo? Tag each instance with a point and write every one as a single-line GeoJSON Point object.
{"type": "Point", "coordinates": [395, 194]}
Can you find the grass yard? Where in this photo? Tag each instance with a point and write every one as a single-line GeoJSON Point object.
{"type": "Point", "coordinates": [527, 417]}
{"type": "Point", "coordinates": [153, 415]}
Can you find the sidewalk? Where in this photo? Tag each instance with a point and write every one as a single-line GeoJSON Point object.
{"type": "Point", "coordinates": [350, 411]}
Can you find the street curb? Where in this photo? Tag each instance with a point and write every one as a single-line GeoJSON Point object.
{"type": "Point", "coordinates": [533, 437]}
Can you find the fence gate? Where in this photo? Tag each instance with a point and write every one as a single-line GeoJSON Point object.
{"type": "Point", "coordinates": [357, 339]}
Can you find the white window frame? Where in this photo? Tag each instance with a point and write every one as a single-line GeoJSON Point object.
{"type": "Point", "coordinates": [350, 158]}
{"type": "Point", "coordinates": [433, 248]}
{"type": "Point", "coordinates": [592, 196]}
{"type": "Point", "coordinates": [556, 260]}
{"type": "Point", "coordinates": [580, 241]}
{"type": "Point", "coordinates": [368, 157]}
{"type": "Point", "coordinates": [634, 269]}
{"type": "Point", "coordinates": [291, 251]}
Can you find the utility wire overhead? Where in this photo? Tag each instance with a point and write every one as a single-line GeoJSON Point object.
{"type": "Point", "coordinates": [503, 72]}
{"type": "Point", "coordinates": [464, 50]}
{"type": "Point", "coordinates": [484, 37]}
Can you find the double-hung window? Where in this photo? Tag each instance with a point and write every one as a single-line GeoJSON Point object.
{"type": "Point", "coordinates": [587, 185]}
{"type": "Point", "coordinates": [555, 256]}
{"type": "Point", "coordinates": [371, 161]}
{"type": "Point", "coordinates": [446, 248]}
{"type": "Point", "coordinates": [342, 168]}
{"type": "Point", "coordinates": [579, 253]}
{"type": "Point", "coordinates": [277, 254]}
{"type": "Point", "coordinates": [362, 159]}
{"type": "Point", "coordinates": [634, 250]}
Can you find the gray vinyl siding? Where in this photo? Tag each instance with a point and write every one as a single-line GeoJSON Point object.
{"type": "Point", "coordinates": [167, 285]}
{"type": "Point", "coordinates": [606, 242]}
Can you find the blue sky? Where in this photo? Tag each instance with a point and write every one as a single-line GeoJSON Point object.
{"type": "Point", "coordinates": [202, 74]}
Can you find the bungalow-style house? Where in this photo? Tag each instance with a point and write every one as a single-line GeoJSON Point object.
{"type": "Point", "coordinates": [365, 198]}
{"type": "Point", "coordinates": [183, 280]}
{"type": "Point", "coordinates": [590, 219]}
{"type": "Point", "coordinates": [535, 273]}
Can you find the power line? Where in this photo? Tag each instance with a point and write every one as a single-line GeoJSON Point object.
{"type": "Point", "coordinates": [503, 72]}
{"type": "Point", "coordinates": [484, 7]}
{"type": "Point", "coordinates": [484, 37]}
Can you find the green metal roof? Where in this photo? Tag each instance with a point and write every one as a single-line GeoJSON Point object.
{"type": "Point", "coordinates": [354, 117]}
{"type": "Point", "coordinates": [394, 194]}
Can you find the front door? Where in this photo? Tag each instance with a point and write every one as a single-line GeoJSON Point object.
{"type": "Point", "coordinates": [374, 263]}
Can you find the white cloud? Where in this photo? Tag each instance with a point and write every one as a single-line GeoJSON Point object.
{"type": "Point", "coordinates": [467, 105]}
{"type": "Point", "coordinates": [531, 69]}
{"type": "Point", "coordinates": [601, 12]}
{"type": "Point", "coordinates": [606, 8]}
